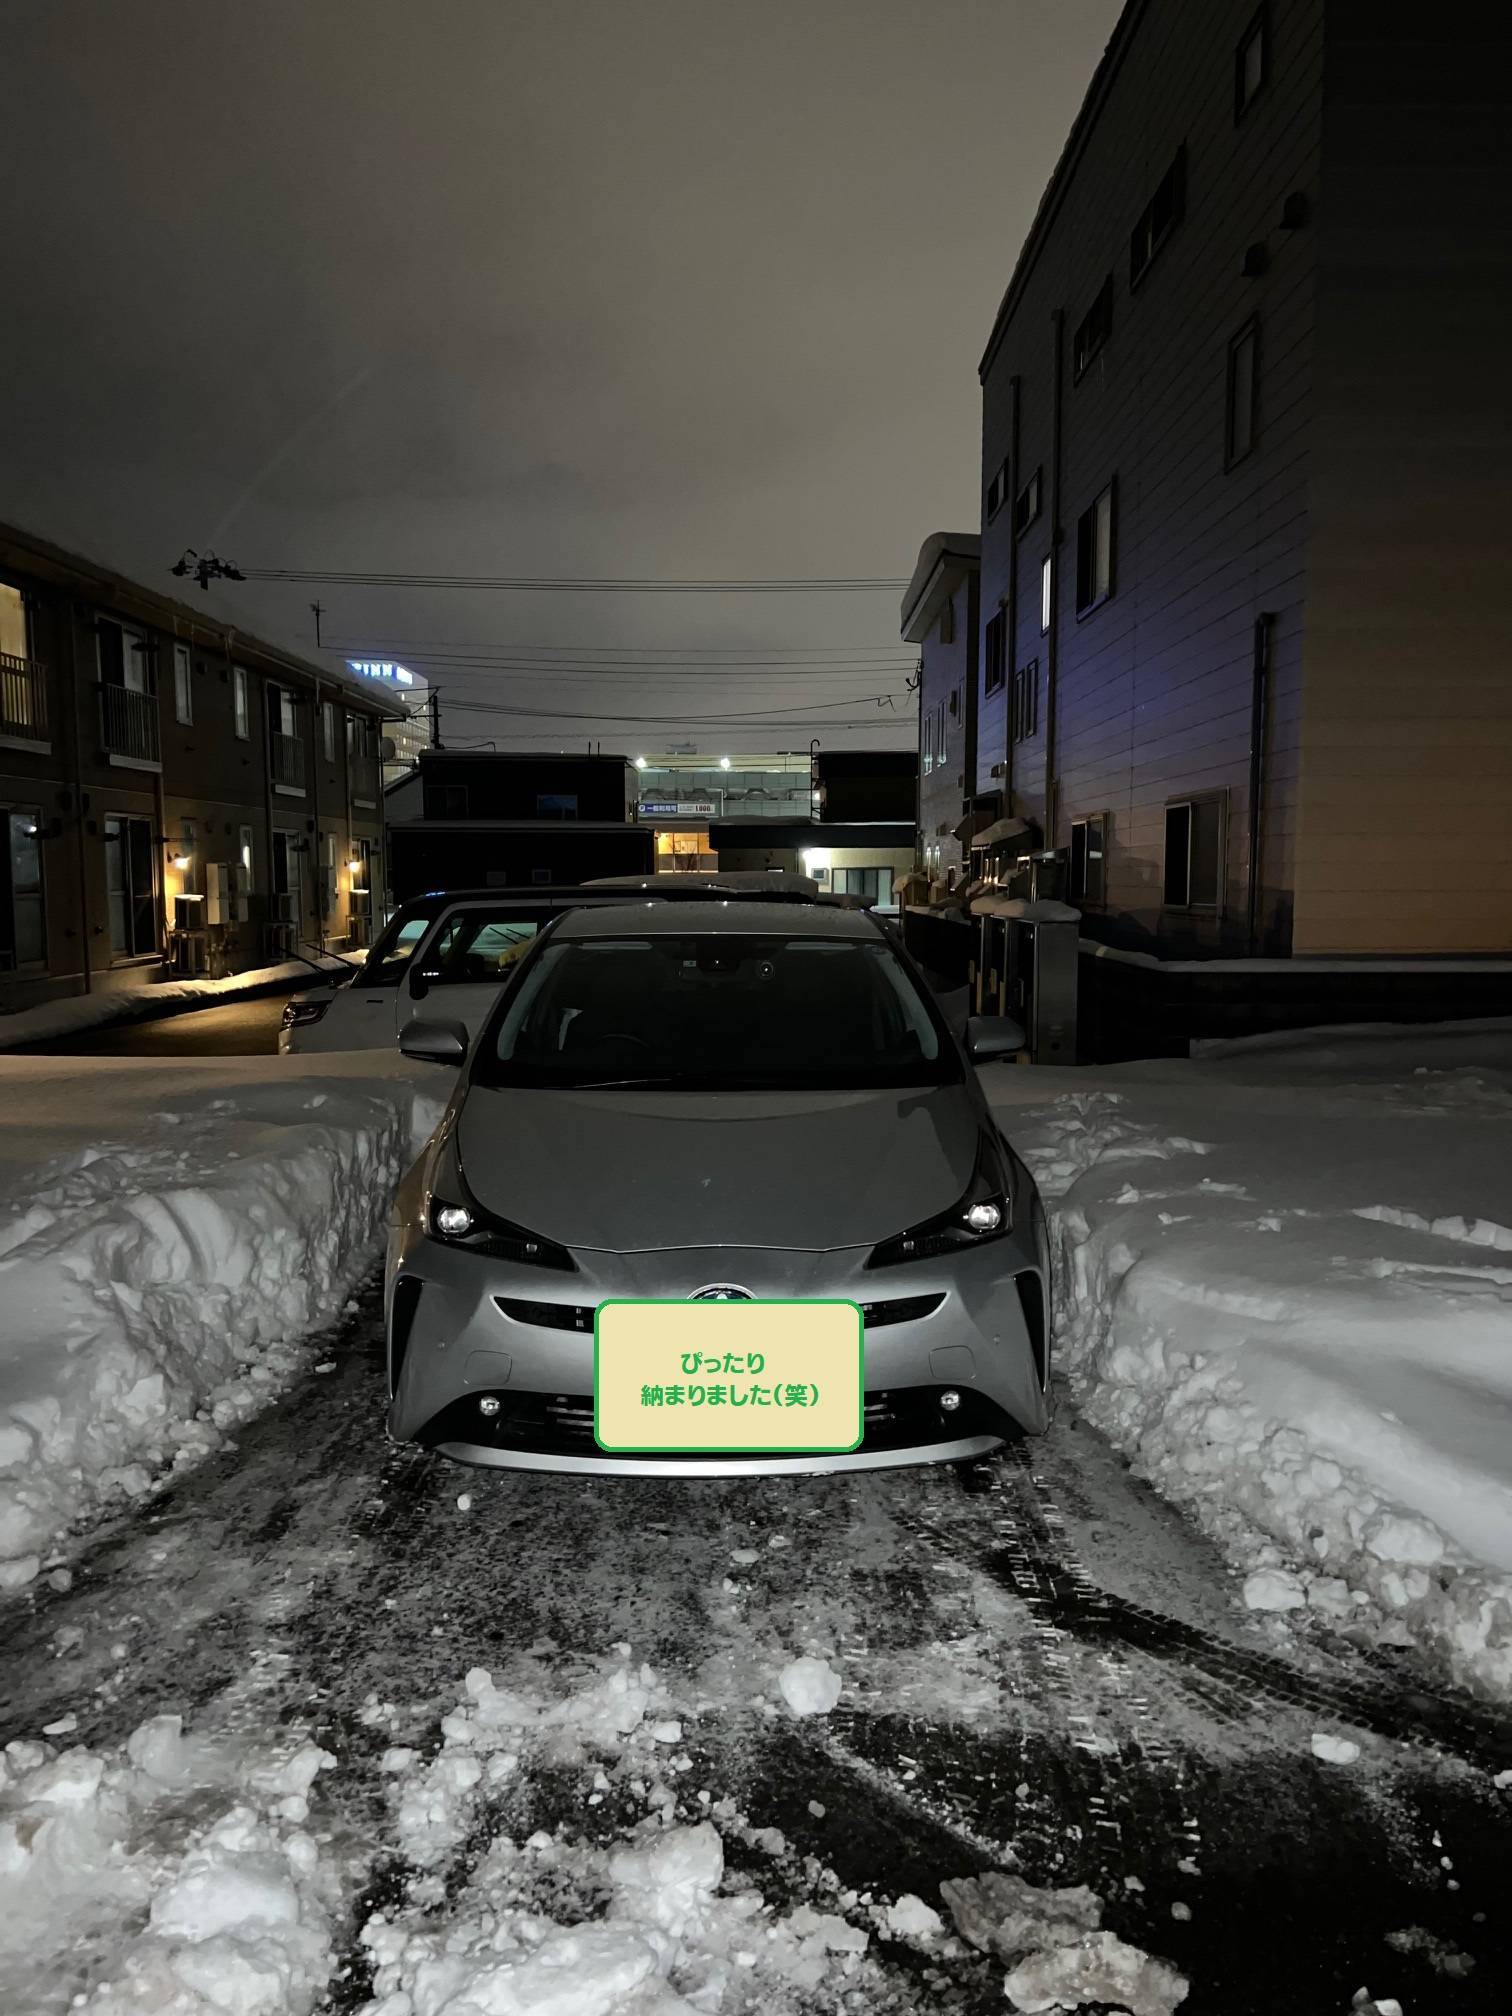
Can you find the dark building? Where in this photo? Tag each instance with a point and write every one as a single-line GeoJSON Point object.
{"type": "Point", "coordinates": [941, 614]}
{"type": "Point", "coordinates": [178, 796]}
{"type": "Point", "coordinates": [1245, 643]}
{"type": "Point", "coordinates": [467, 819]}
{"type": "Point", "coordinates": [865, 784]}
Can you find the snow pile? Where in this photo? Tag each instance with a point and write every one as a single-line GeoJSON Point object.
{"type": "Point", "coordinates": [1284, 1285]}
{"type": "Point", "coordinates": [55, 1019]}
{"type": "Point", "coordinates": [235, 1916]}
{"type": "Point", "coordinates": [810, 1686]}
{"type": "Point", "coordinates": [167, 1236]}
{"type": "Point", "coordinates": [635, 1915]}
{"type": "Point", "coordinates": [1056, 1953]}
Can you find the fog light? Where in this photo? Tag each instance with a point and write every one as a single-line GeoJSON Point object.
{"type": "Point", "coordinates": [985, 1217]}
{"type": "Point", "coordinates": [453, 1220]}
{"type": "Point", "coordinates": [488, 1405]}
{"type": "Point", "coordinates": [949, 1400]}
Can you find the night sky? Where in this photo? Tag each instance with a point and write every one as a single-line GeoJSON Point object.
{"type": "Point", "coordinates": [618, 288]}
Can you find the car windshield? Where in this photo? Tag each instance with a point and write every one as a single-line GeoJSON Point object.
{"type": "Point", "coordinates": [716, 1012]}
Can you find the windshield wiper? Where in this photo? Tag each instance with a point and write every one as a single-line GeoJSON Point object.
{"type": "Point", "coordinates": [617, 1084]}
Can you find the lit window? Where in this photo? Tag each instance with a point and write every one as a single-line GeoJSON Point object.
{"type": "Point", "coordinates": [183, 692]}
{"type": "Point", "coordinates": [241, 712]}
{"type": "Point", "coordinates": [1094, 553]}
{"type": "Point", "coordinates": [1047, 593]}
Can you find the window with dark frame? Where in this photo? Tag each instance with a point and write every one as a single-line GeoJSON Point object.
{"type": "Point", "coordinates": [1026, 702]}
{"type": "Point", "coordinates": [183, 687]}
{"type": "Point", "coordinates": [1194, 841]}
{"type": "Point", "coordinates": [1026, 506]}
{"type": "Point", "coordinates": [1251, 65]}
{"type": "Point", "coordinates": [1239, 422]}
{"type": "Point", "coordinates": [1094, 553]}
{"type": "Point", "coordinates": [23, 924]}
{"type": "Point", "coordinates": [997, 491]}
{"type": "Point", "coordinates": [1093, 331]}
{"type": "Point", "coordinates": [1158, 219]}
{"type": "Point", "coordinates": [995, 651]}
{"type": "Point", "coordinates": [1088, 850]}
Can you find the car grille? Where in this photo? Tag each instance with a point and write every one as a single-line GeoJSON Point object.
{"type": "Point", "coordinates": [579, 1315]}
{"type": "Point", "coordinates": [561, 1424]}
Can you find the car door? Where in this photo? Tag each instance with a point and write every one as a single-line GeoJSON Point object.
{"type": "Point", "coordinates": [466, 958]}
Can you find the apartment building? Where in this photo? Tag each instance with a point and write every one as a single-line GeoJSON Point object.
{"type": "Point", "coordinates": [942, 616]}
{"type": "Point", "coordinates": [178, 797]}
{"type": "Point", "coordinates": [1245, 646]}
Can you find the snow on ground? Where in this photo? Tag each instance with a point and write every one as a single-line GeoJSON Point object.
{"type": "Point", "coordinates": [168, 1236]}
{"type": "Point", "coordinates": [1284, 1287]}
{"type": "Point", "coordinates": [55, 1019]}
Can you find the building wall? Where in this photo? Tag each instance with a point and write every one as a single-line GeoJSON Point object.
{"type": "Point", "coordinates": [1406, 783]}
{"type": "Point", "coordinates": [946, 741]}
{"type": "Point", "coordinates": [1148, 697]}
{"type": "Point", "coordinates": [196, 788]}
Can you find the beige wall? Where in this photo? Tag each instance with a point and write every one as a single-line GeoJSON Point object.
{"type": "Point", "coordinates": [1405, 814]}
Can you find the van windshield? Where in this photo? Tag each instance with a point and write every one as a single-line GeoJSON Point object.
{"type": "Point", "coordinates": [716, 1012]}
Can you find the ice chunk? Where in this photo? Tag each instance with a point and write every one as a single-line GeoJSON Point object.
{"type": "Point", "coordinates": [1001, 1914]}
{"type": "Point", "coordinates": [809, 1686]}
{"type": "Point", "coordinates": [1334, 1749]}
{"type": "Point", "coordinates": [912, 1918]}
{"type": "Point", "coordinates": [668, 1883]}
{"type": "Point", "coordinates": [1097, 1968]}
{"type": "Point", "coordinates": [1274, 1589]}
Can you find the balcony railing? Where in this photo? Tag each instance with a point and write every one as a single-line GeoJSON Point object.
{"type": "Point", "coordinates": [288, 758]}
{"type": "Point", "coordinates": [23, 698]}
{"type": "Point", "coordinates": [364, 775]}
{"type": "Point", "coordinates": [129, 724]}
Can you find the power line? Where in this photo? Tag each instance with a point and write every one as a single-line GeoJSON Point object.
{"type": "Point", "coordinates": [644, 585]}
{"type": "Point", "coordinates": [699, 720]}
{"type": "Point", "coordinates": [512, 647]}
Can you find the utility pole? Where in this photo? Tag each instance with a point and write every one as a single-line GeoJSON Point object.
{"type": "Point", "coordinates": [435, 717]}
{"type": "Point", "coordinates": [318, 609]}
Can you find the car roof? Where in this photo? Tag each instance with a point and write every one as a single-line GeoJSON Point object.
{"type": "Point", "coordinates": [653, 917]}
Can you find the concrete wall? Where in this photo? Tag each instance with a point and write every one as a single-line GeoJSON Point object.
{"type": "Point", "coordinates": [1406, 788]}
{"type": "Point", "coordinates": [1151, 692]}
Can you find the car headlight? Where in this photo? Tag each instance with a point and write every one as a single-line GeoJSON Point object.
{"type": "Point", "coordinates": [297, 1014]}
{"type": "Point", "coordinates": [469, 1226]}
{"type": "Point", "coordinates": [984, 1212]}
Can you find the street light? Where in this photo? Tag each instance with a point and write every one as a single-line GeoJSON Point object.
{"type": "Point", "coordinates": [724, 762]}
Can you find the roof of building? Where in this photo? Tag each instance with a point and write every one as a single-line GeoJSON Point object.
{"type": "Point", "coordinates": [740, 913]}
{"type": "Point", "coordinates": [25, 552]}
{"type": "Point", "coordinates": [945, 559]}
{"type": "Point", "coordinates": [1049, 203]}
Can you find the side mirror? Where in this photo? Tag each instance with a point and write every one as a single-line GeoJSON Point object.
{"type": "Point", "coordinates": [989, 1036]}
{"type": "Point", "coordinates": [434, 1042]}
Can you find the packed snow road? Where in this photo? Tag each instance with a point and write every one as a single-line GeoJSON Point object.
{"type": "Point", "coordinates": [1054, 1678]}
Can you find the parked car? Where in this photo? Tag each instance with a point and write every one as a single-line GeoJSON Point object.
{"type": "Point", "coordinates": [756, 1094]}
{"type": "Point", "coordinates": [451, 949]}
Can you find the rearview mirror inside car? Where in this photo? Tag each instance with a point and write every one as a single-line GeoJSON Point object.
{"type": "Point", "coordinates": [434, 1042]}
{"type": "Point", "coordinates": [989, 1036]}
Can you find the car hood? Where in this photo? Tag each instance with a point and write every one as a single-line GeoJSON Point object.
{"type": "Point", "coordinates": [636, 1171]}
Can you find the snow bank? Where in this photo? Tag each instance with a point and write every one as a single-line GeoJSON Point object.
{"type": "Point", "coordinates": [168, 1235]}
{"type": "Point", "coordinates": [233, 1916]}
{"type": "Point", "coordinates": [1284, 1284]}
{"type": "Point", "coordinates": [55, 1019]}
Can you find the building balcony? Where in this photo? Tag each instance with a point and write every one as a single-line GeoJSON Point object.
{"type": "Point", "coordinates": [129, 727]}
{"type": "Point", "coordinates": [363, 771]}
{"type": "Point", "coordinates": [23, 703]}
{"type": "Point", "coordinates": [287, 757]}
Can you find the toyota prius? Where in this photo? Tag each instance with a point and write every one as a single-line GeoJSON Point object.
{"type": "Point", "coordinates": [720, 1101]}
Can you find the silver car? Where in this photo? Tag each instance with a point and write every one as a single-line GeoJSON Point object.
{"type": "Point", "coordinates": [714, 1100]}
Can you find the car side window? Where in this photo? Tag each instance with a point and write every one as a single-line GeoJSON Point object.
{"type": "Point", "coordinates": [478, 948]}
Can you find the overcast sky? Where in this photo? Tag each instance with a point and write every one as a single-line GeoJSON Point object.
{"type": "Point", "coordinates": [689, 288]}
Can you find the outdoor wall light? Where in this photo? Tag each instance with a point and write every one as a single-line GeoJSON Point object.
{"type": "Point", "coordinates": [182, 861]}
{"type": "Point", "coordinates": [724, 762]}
{"type": "Point", "coordinates": [640, 762]}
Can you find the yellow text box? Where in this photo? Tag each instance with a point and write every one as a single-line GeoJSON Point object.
{"type": "Point", "coordinates": [759, 1376]}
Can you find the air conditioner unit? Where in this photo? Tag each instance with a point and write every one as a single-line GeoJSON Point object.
{"type": "Point", "coordinates": [1000, 770]}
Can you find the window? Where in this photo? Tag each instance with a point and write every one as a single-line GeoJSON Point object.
{"type": "Point", "coordinates": [240, 710]}
{"type": "Point", "coordinates": [23, 935]}
{"type": "Point", "coordinates": [1194, 838]}
{"type": "Point", "coordinates": [1088, 844]}
{"type": "Point", "coordinates": [1094, 329]}
{"type": "Point", "coordinates": [1094, 553]}
{"type": "Point", "coordinates": [872, 885]}
{"type": "Point", "coordinates": [997, 651]}
{"type": "Point", "coordinates": [13, 638]}
{"type": "Point", "coordinates": [245, 855]}
{"type": "Point", "coordinates": [1239, 424]}
{"type": "Point", "coordinates": [183, 690]}
{"type": "Point", "coordinates": [1158, 219]}
{"type": "Point", "coordinates": [1025, 724]}
{"type": "Point", "coordinates": [328, 731]}
{"type": "Point", "coordinates": [1250, 66]}
{"type": "Point", "coordinates": [131, 887]}
{"type": "Point", "coordinates": [446, 801]}
{"type": "Point", "coordinates": [926, 745]}
{"type": "Point", "coordinates": [288, 878]}
{"type": "Point", "coordinates": [1026, 506]}
{"type": "Point", "coordinates": [1047, 594]}
{"type": "Point", "coordinates": [556, 804]}
{"type": "Point", "coordinates": [125, 657]}
{"type": "Point", "coordinates": [947, 621]}
{"type": "Point", "coordinates": [997, 490]}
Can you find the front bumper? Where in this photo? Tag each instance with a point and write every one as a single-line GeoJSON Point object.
{"type": "Point", "coordinates": [463, 1326]}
